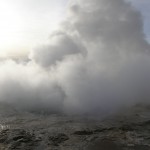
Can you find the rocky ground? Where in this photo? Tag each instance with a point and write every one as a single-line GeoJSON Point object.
{"type": "Point", "coordinates": [129, 130]}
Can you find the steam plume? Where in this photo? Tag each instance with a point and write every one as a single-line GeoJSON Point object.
{"type": "Point", "coordinates": [97, 62]}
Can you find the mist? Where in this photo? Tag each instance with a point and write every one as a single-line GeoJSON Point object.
{"type": "Point", "coordinates": [97, 62]}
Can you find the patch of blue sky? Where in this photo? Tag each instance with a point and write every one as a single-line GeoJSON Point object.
{"type": "Point", "coordinates": [144, 7]}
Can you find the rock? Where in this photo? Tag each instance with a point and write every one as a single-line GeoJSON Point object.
{"type": "Point", "coordinates": [83, 132]}
{"type": "Point", "coordinates": [58, 139]}
{"type": "Point", "coordinates": [104, 144]}
{"type": "Point", "coordinates": [126, 128]}
{"type": "Point", "coordinates": [30, 131]}
{"type": "Point", "coordinates": [16, 138]}
{"type": "Point", "coordinates": [130, 145]}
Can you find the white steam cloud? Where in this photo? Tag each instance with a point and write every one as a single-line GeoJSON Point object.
{"type": "Point", "coordinates": [97, 62]}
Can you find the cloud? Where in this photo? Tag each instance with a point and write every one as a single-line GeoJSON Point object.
{"type": "Point", "coordinates": [96, 63]}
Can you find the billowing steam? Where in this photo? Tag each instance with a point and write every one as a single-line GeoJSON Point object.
{"type": "Point", "coordinates": [97, 62]}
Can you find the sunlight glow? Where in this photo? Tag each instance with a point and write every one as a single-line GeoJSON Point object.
{"type": "Point", "coordinates": [22, 25]}
{"type": "Point", "coordinates": [10, 26]}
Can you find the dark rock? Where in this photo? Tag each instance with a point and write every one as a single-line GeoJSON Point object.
{"type": "Point", "coordinates": [104, 129]}
{"type": "Point", "coordinates": [83, 132]}
{"type": "Point", "coordinates": [141, 147]}
{"type": "Point", "coordinates": [28, 131]}
{"type": "Point", "coordinates": [137, 147]}
{"type": "Point", "coordinates": [58, 139]}
{"type": "Point", "coordinates": [146, 123]}
{"type": "Point", "coordinates": [15, 138]}
{"type": "Point", "coordinates": [104, 144]}
{"type": "Point", "coordinates": [126, 128]}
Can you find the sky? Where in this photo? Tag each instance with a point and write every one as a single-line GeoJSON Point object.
{"type": "Point", "coordinates": [144, 7]}
{"type": "Point", "coordinates": [95, 62]}
{"type": "Point", "coordinates": [27, 23]}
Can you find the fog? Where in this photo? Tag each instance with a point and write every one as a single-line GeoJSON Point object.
{"type": "Point", "coordinates": [97, 62]}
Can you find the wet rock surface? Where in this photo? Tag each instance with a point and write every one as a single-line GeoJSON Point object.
{"type": "Point", "coordinates": [17, 139]}
{"type": "Point", "coordinates": [29, 131]}
{"type": "Point", "coordinates": [57, 139]}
